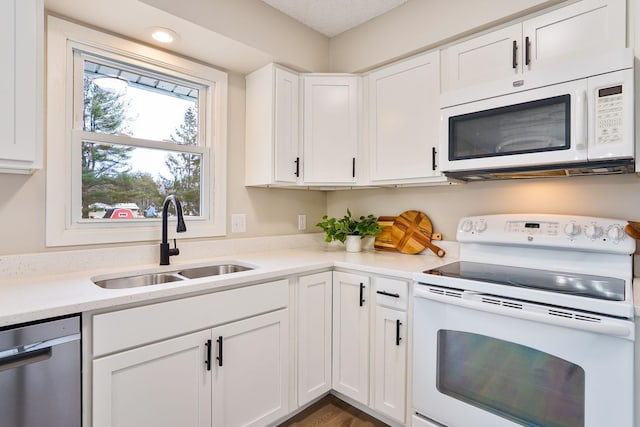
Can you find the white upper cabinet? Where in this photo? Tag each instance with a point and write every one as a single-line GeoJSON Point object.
{"type": "Point", "coordinates": [403, 118]}
{"type": "Point", "coordinates": [483, 58]}
{"type": "Point", "coordinates": [586, 27]}
{"type": "Point", "coordinates": [579, 29]}
{"type": "Point", "coordinates": [272, 127]}
{"type": "Point", "coordinates": [21, 85]}
{"type": "Point", "coordinates": [330, 129]}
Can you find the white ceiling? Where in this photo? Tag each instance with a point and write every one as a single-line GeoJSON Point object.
{"type": "Point", "coordinates": [332, 17]}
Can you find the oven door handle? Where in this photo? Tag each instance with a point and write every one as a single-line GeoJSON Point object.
{"type": "Point", "coordinates": [609, 328]}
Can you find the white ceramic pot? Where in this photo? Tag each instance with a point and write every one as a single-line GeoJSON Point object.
{"type": "Point", "coordinates": [368, 243]}
{"type": "Point", "coordinates": [353, 244]}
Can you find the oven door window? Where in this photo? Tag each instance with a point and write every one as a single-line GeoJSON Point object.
{"type": "Point", "coordinates": [522, 384]}
{"type": "Point", "coordinates": [529, 127]}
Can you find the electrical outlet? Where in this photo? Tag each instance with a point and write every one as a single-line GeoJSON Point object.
{"type": "Point", "coordinates": [238, 223]}
{"type": "Point", "coordinates": [302, 222]}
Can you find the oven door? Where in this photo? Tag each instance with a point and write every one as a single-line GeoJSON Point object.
{"type": "Point", "coordinates": [542, 126]}
{"type": "Point", "coordinates": [489, 361]}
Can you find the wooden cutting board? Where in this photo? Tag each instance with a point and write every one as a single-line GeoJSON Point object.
{"type": "Point", "coordinates": [411, 233]}
{"type": "Point", "coordinates": [383, 240]}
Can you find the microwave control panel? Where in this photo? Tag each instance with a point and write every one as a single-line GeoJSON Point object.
{"type": "Point", "coordinates": [609, 111]}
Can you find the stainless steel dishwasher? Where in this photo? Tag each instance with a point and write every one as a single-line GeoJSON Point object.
{"type": "Point", "coordinates": [40, 374]}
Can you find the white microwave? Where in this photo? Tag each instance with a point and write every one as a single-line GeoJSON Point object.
{"type": "Point", "coordinates": [574, 120]}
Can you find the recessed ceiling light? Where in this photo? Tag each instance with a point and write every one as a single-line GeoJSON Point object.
{"type": "Point", "coordinates": [163, 35]}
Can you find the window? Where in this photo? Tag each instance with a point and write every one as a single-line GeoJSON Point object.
{"type": "Point", "coordinates": [126, 126]}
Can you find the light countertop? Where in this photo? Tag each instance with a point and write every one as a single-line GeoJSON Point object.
{"type": "Point", "coordinates": [25, 299]}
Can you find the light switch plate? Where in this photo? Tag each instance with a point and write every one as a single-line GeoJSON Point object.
{"type": "Point", "coordinates": [238, 223]}
{"type": "Point", "coordinates": [302, 222]}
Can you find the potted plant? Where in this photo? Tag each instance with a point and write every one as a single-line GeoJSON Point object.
{"type": "Point", "coordinates": [349, 230]}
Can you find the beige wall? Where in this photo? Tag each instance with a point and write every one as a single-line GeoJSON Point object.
{"type": "Point", "coordinates": [419, 25]}
{"type": "Point", "coordinates": [610, 196]}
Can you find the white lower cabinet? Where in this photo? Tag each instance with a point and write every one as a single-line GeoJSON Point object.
{"type": "Point", "coordinates": [390, 366]}
{"type": "Point", "coordinates": [162, 385]}
{"type": "Point", "coordinates": [159, 370]}
{"type": "Point", "coordinates": [225, 359]}
{"type": "Point", "coordinates": [250, 373]}
{"type": "Point", "coordinates": [314, 336]}
{"type": "Point", "coordinates": [390, 348]}
{"type": "Point", "coordinates": [351, 335]}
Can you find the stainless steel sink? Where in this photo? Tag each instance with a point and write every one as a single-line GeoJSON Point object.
{"type": "Point", "coordinates": [150, 279]}
{"type": "Point", "coordinates": [212, 270]}
{"type": "Point", "coordinates": [137, 281]}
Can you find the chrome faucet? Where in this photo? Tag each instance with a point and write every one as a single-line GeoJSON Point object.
{"type": "Point", "coordinates": [165, 251]}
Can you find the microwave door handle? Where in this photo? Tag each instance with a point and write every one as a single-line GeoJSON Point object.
{"type": "Point", "coordinates": [581, 120]}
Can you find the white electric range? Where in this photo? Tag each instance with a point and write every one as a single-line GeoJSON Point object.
{"type": "Point", "coordinates": [533, 326]}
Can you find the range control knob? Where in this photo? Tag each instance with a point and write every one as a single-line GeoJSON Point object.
{"type": "Point", "coordinates": [615, 233]}
{"type": "Point", "coordinates": [593, 231]}
{"type": "Point", "coordinates": [572, 229]}
{"type": "Point", "coordinates": [480, 226]}
{"type": "Point", "coordinates": [466, 226]}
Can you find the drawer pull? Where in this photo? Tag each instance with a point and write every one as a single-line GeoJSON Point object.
{"type": "Point", "coordinates": [389, 294]}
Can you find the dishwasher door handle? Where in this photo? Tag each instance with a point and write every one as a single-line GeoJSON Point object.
{"type": "Point", "coordinates": [31, 353]}
{"type": "Point", "coordinates": [25, 358]}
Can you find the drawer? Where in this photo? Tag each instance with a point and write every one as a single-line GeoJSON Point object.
{"type": "Point", "coordinates": [392, 293]}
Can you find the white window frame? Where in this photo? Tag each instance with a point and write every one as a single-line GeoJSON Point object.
{"type": "Point", "coordinates": [64, 226]}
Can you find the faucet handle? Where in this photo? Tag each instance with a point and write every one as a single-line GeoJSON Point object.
{"type": "Point", "coordinates": [174, 250]}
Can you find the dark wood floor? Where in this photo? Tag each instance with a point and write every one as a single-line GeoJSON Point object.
{"type": "Point", "coordinates": [332, 412]}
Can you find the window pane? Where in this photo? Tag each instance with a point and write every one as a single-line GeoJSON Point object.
{"type": "Point", "coordinates": [513, 381]}
{"type": "Point", "coordinates": [138, 104]}
{"type": "Point", "coordinates": [121, 182]}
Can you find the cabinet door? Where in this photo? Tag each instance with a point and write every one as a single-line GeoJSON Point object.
{"type": "Point", "coordinates": [21, 39]}
{"type": "Point", "coordinates": [250, 371]}
{"type": "Point", "coordinates": [351, 335]}
{"type": "Point", "coordinates": [314, 336]}
{"type": "Point", "coordinates": [390, 363]}
{"type": "Point", "coordinates": [271, 126]}
{"type": "Point", "coordinates": [162, 385]}
{"type": "Point", "coordinates": [286, 126]}
{"type": "Point", "coordinates": [404, 113]}
{"type": "Point", "coordinates": [584, 27]}
{"type": "Point", "coordinates": [330, 129]}
{"type": "Point", "coordinates": [484, 58]}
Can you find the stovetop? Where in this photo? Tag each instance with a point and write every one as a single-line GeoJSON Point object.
{"type": "Point", "coordinates": [577, 262]}
{"type": "Point", "coordinates": [590, 286]}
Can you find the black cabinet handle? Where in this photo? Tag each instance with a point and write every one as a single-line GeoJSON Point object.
{"type": "Point", "coordinates": [389, 294]}
{"type": "Point", "coordinates": [297, 162]}
{"type": "Point", "coordinates": [361, 294]}
{"type": "Point", "coordinates": [398, 323]}
{"type": "Point", "coordinates": [514, 57]}
{"type": "Point", "coordinates": [527, 51]}
{"type": "Point", "coordinates": [208, 360]}
{"type": "Point", "coordinates": [353, 167]}
{"type": "Point", "coordinates": [434, 152]}
{"type": "Point", "coordinates": [219, 341]}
